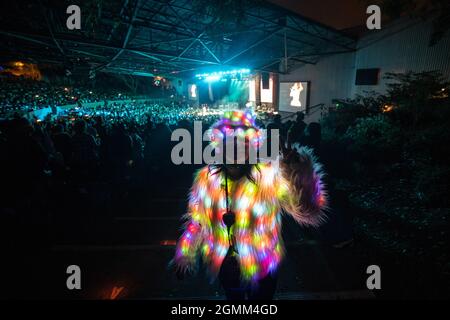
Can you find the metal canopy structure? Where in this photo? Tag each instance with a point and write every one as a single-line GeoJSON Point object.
{"type": "Point", "coordinates": [169, 38]}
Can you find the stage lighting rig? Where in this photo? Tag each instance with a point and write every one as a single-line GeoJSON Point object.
{"type": "Point", "coordinates": [236, 74]}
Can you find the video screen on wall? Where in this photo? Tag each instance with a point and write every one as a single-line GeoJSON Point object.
{"type": "Point", "coordinates": [193, 92]}
{"type": "Point", "coordinates": [294, 96]}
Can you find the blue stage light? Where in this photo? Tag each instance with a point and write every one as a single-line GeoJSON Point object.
{"type": "Point", "coordinates": [215, 76]}
{"type": "Point", "coordinates": [212, 78]}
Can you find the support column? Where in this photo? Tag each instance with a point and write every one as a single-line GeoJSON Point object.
{"type": "Point", "coordinates": [258, 89]}
{"type": "Point", "coordinates": [275, 91]}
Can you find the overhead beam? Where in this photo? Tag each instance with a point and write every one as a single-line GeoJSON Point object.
{"type": "Point", "coordinates": [116, 24]}
{"type": "Point", "coordinates": [127, 35]}
{"type": "Point", "coordinates": [44, 12]}
{"type": "Point", "coordinates": [252, 45]}
{"type": "Point", "coordinates": [192, 38]}
{"type": "Point", "coordinates": [193, 33]}
{"type": "Point", "coordinates": [150, 55]}
{"type": "Point", "coordinates": [298, 30]}
{"type": "Point", "coordinates": [189, 46]}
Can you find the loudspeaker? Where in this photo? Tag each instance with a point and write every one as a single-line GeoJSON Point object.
{"type": "Point", "coordinates": [265, 80]}
{"type": "Point", "coordinates": [367, 77]}
{"type": "Point", "coordinates": [282, 66]}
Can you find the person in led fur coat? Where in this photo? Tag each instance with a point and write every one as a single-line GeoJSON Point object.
{"type": "Point", "coordinates": [233, 221]}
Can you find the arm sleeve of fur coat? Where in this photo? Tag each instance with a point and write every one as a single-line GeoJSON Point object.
{"type": "Point", "coordinates": [196, 221]}
{"type": "Point", "coordinates": [302, 193]}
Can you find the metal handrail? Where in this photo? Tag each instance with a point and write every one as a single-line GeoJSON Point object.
{"type": "Point", "coordinates": [308, 113]}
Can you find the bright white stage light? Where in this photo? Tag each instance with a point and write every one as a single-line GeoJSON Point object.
{"type": "Point", "coordinates": [212, 78]}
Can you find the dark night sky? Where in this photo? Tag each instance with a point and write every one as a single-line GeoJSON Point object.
{"type": "Point", "coordinates": [340, 14]}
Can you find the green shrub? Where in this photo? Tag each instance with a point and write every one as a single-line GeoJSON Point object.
{"type": "Point", "coordinates": [373, 137]}
{"type": "Point", "coordinates": [416, 95]}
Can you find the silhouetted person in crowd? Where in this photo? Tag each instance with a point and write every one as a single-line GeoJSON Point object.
{"type": "Point", "coordinates": [137, 154]}
{"type": "Point", "coordinates": [275, 123]}
{"type": "Point", "coordinates": [120, 148]}
{"type": "Point", "coordinates": [41, 135]}
{"type": "Point", "coordinates": [91, 130]}
{"type": "Point", "coordinates": [297, 129]}
{"type": "Point", "coordinates": [100, 127]}
{"type": "Point", "coordinates": [25, 161]}
{"type": "Point", "coordinates": [158, 146]}
{"type": "Point", "coordinates": [84, 151]}
{"type": "Point", "coordinates": [62, 142]}
{"type": "Point", "coordinates": [313, 137]}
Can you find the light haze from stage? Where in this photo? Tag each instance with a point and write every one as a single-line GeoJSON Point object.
{"type": "Point", "coordinates": [293, 96]}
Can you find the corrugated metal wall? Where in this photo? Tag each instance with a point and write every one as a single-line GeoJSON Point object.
{"type": "Point", "coordinates": [402, 46]}
{"type": "Point", "coordinates": [330, 78]}
{"type": "Point", "coordinates": [398, 47]}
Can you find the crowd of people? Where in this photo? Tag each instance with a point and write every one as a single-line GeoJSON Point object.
{"type": "Point", "coordinates": [108, 153]}
{"type": "Point", "coordinates": [22, 94]}
{"type": "Point", "coordinates": [140, 111]}
{"type": "Point", "coordinates": [68, 177]}
{"type": "Point", "coordinates": [107, 142]}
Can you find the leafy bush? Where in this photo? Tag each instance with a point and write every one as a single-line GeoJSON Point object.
{"type": "Point", "coordinates": [373, 137]}
{"type": "Point", "coordinates": [430, 183]}
{"type": "Point", "coordinates": [408, 140]}
{"type": "Point", "coordinates": [415, 94]}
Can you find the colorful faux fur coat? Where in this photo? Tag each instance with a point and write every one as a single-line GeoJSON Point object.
{"type": "Point", "coordinates": [294, 189]}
